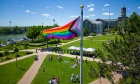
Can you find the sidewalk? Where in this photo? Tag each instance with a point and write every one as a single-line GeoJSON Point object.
{"type": "Point", "coordinates": [19, 58]}
{"type": "Point", "coordinates": [30, 74]}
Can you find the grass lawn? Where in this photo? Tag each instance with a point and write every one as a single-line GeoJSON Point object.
{"type": "Point", "coordinates": [13, 55]}
{"type": "Point", "coordinates": [91, 42]}
{"type": "Point", "coordinates": [63, 70]}
{"type": "Point", "coordinates": [9, 74]}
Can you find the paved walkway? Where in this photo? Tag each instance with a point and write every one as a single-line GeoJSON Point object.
{"type": "Point", "coordinates": [19, 58]}
{"type": "Point", "coordinates": [106, 81]}
{"type": "Point", "coordinates": [30, 74]}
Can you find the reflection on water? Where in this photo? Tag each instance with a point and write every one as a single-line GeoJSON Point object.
{"type": "Point", "coordinates": [6, 37]}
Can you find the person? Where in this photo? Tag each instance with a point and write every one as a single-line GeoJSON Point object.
{"type": "Point", "coordinates": [53, 78]}
{"type": "Point", "coordinates": [58, 57]}
{"type": "Point", "coordinates": [36, 50]}
{"type": "Point", "coordinates": [43, 70]}
{"type": "Point", "coordinates": [57, 80]}
{"type": "Point", "coordinates": [86, 60]}
{"type": "Point", "coordinates": [51, 58]}
{"type": "Point", "coordinates": [50, 82]}
{"type": "Point", "coordinates": [93, 57]}
{"type": "Point", "coordinates": [76, 57]}
{"type": "Point", "coordinates": [77, 77]}
{"type": "Point", "coordinates": [72, 78]}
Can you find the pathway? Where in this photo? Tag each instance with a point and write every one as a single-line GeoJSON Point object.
{"type": "Point", "coordinates": [19, 58]}
{"type": "Point", "coordinates": [30, 74]}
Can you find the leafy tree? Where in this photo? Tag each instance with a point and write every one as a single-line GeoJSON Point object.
{"type": "Point", "coordinates": [85, 31]}
{"type": "Point", "coordinates": [125, 51]}
{"type": "Point", "coordinates": [25, 45]}
{"type": "Point", "coordinates": [33, 32]}
{"type": "Point", "coordinates": [6, 52]}
{"type": "Point", "coordinates": [1, 55]}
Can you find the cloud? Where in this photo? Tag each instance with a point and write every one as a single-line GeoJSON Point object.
{"type": "Point", "coordinates": [108, 13]}
{"type": "Point", "coordinates": [33, 12]}
{"type": "Point", "coordinates": [139, 7]}
{"type": "Point", "coordinates": [105, 9]}
{"type": "Point", "coordinates": [92, 15]}
{"type": "Point", "coordinates": [106, 5]}
{"type": "Point", "coordinates": [60, 7]}
{"type": "Point", "coordinates": [90, 5]}
{"type": "Point", "coordinates": [73, 16]}
{"type": "Point", "coordinates": [27, 11]}
{"type": "Point", "coordinates": [91, 9]}
{"type": "Point", "coordinates": [51, 17]}
{"type": "Point", "coordinates": [47, 7]}
{"type": "Point", "coordinates": [86, 16]}
{"type": "Point", "coordinates": [46, 15]}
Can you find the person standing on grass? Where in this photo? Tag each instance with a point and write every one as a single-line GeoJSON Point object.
{"type": "Point", "coordinates": [77, 77]}
{"type": "Point", "coordinates": [93, 57]}
{"type": "Point", "coordinates": [76, 57]}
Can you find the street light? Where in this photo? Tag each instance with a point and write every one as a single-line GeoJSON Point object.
{"type": "Point", "coordinates": [54, 21]}
{"type": "Point", "coordinates": [42, 25]}
{"type": "Point", "coordinates": [10, 23]}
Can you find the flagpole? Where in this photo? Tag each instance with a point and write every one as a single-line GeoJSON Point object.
{"type": "Point", "coordinates": [81, 47]}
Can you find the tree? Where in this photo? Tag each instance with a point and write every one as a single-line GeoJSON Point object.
{"type": "Point", "coordinates": [25, 45]}
{"type": "Point", "coordinates": [1, 55]}
{"type": "Point", "coordinates": [126, 51]}
{"type": "Point", "coordinates": [6, 52]}
{"type": "Point", "coordinates": [33, 32]}
{"type": "Point", "coordinates": [85, 31]}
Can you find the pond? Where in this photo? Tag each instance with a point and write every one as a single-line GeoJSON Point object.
{"type": "Point", "coordinates": [16, 37]}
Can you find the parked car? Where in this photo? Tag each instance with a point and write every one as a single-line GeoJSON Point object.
{"type": "Point", "coordinates": [2, 45]}
{"type": "Point", "coordinates": [23, 39]}
{"type": "Point", "coordinates": [11, 41]}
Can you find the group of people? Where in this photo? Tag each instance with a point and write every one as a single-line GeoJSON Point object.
{"type": "Point", "coordinates": [85, 53]}
{"type": "Point", "coordinates": [59, 58]}
{"type": "Point", "coordinates": [73, 78]}
{"type": "Point", "coordinates": [54, 80]}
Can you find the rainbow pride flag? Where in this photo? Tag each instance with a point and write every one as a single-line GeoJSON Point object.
{"type": "Point", "coordinates": [68, 31]}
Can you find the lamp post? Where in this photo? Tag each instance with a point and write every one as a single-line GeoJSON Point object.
{"type": "Point", "coordinates": [10, 23]}
{"type": "Point", "coordinates": [81, 47]}
{"type": "Point", "coordinates": [42, 25]}
{"type": "Point", "coordinates": [54, 21]}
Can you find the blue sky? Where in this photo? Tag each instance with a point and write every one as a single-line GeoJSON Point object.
{"type": "Point", "coordinates": [36, 12]}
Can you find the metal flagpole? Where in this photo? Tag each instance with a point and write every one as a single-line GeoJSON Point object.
{"type": "Point", "coordinates": [81, 47]}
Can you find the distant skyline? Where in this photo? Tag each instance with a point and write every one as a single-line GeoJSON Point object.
{"type": "Point", "coordinates": [38, 12]}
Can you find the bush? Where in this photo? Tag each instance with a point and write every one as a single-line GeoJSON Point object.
{"type": "Point", "coordinates": [1, 54]}
{"type": "Point", "coordinates": [92, 34]}
{"type": "Point", "coordinates": [6, 53]}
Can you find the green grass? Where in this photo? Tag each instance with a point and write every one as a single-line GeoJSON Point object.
{"type": "Point", "coordinates": [62, 70]}
{"type": "Point", "coordinates": [13, 55]}
{"type": "Point", "coordinates": [91, 42]}
{"type": "Point", "coordinates": [9, 74]}
{"type": "Point", "coordinates": [104, 37]}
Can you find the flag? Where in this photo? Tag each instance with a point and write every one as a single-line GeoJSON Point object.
{"type": "Point", "coordinates": [68, 31]}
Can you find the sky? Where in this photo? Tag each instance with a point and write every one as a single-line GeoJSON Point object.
{"type": "Point", "coordinates": [44, 12]}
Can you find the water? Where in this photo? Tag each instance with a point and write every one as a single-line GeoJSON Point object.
{"type": "Point", "coordinates": [16, 37]}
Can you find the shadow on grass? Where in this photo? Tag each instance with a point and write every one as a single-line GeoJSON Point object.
{"type": "Point", "coordinates": [20, 68]}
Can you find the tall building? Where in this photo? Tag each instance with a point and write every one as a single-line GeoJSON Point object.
{"type": "Point", "coordinates": [99, 25]}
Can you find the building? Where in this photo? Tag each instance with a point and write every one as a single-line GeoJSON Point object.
{"type": "Point", "coordinates": [99, 25]}
{"type": "Point", "coordinates": [93, 26]}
